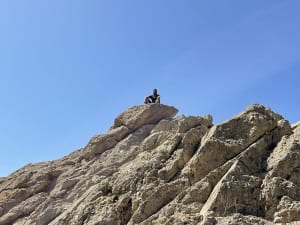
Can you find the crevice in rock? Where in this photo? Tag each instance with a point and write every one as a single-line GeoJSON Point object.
{"type": "Point", "coordinates": [86, 214]}
{"type": "Point", "coordinates": [155, 202]}
{"type": "Point", "coordinates": [53, 180]}
{"type": "Point", "coordinates": [166, 201]}
{"type": "Point", "coordinates": [125, 211]}
{"type": "Point", "coordinates": [187, 146]}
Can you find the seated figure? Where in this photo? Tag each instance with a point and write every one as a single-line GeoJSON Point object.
{"type": "Point", "coordinates": [154, 98]}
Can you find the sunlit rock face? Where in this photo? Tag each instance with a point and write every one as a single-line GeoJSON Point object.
{"type": "Point", "coordinates": [153, 167]}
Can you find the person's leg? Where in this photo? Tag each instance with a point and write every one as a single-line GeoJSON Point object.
{"type": "Point", "coordinates": [147, 100]}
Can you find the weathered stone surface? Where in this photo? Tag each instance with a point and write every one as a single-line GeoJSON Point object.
{"type": "Point", "coordinates": [151, 168]}
{"type": "Point", "coordinates": [138, 116]}
{"type": "Point", "coordinates": [225, 141]}
{"type": "Point", "coordinates": [127, 122]}
{"type": "Point", "coordinates": [288, 211]}
{"type": "Point", "coordinates": [283, 175]}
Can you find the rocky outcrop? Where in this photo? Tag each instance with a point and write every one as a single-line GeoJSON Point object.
{"type": "Point", "coordinates": [154, 168]}
{"type": "Point", "coordinates": [126, 123]}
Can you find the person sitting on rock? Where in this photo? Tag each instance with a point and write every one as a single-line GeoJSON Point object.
{"type": "Point", "coordinates": [154, 98]}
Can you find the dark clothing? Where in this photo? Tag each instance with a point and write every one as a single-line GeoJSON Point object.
{"type": "Point", "coordinates": [153, 98]}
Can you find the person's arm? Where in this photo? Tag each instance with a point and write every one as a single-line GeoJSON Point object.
{"type": "Point", "coordinates": [157, 99]}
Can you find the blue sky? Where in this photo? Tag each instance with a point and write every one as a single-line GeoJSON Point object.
{"type": "Point", "coordinates": [69, 67]}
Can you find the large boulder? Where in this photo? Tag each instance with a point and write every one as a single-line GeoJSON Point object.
{"type": "Point", "coordinates": [127, 122]}
{"type": "Point", "coordinates": [226, 140]}
{"type": "Point", "coordinates": [137, 116]}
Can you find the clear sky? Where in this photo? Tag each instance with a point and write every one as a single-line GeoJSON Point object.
{"type": "Point", "coordinates": [69, 67]}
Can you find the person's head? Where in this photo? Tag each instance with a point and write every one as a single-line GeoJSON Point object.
{"type": "Point", "coordinates": [155, 91]}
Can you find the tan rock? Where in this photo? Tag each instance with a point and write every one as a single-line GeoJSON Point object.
{"type": "Point", "coordinates": [138, 116]}
{"type": "Point", "coordinates": [288, 211]}
{"type": "Point", "coordinates": [151, 168]}
{"type": "Point", "coordinates": [225, 141]}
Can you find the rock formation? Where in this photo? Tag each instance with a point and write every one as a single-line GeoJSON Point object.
{"type": "Point", "coordinates": [154, 168]}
